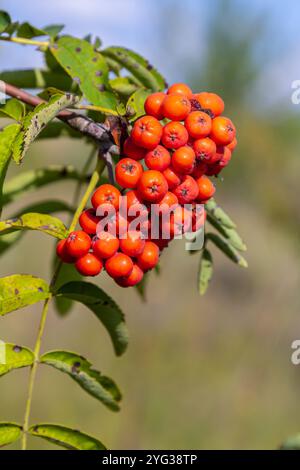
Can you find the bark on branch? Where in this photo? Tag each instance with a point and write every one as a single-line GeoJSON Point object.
{"type": "Point", "coordinates": [97, 131]}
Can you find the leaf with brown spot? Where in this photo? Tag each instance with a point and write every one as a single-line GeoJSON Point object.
{"type": "Point", "coordinates": [31, 290]}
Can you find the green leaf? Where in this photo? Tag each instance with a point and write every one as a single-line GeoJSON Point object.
{"type": "Point", "coordinates": [139, 67]}
{"type": "Point", "coordinates": [35, 121]}
{"type": "Point", "coordinates": [292, 443]}
{"type": "Point", "coordinates": [80, 370]}
{"type": "Point", "coordinates": [38, 78]}
{"type": "Point", "coordinates": [67, 273]}
{"type": "Point", "coordinates": [65, 437]}
{"type": "Point", "coordinates": [230, 233]}
{"type": "Point", "coordinates": [227, 249]}
{"type": "Point", "coordinates": [50, 206]}
{"type": "Point", "coordinates": [4, 20]}
{"type": "Point", "coordinates": [53, 30]}
{"type": "Point", "coordinates": [7, 136]}
{"type": "Point", "coordinates": [9, 433]}
{"type": "Point", "coordinates": [205, 271]}
{"type": "Point", "coordinates": [88, 69]}
{"type": "Point", "coordinates": [19, 290]}
{"type": "Point", "coordinates": [34, 221]}
{"type": "Point", "coordinates": [219, 214]}
{"type": "Point", "coordinates": [123, 86]}
{"type": "Point", "coordinates": [26, 30]}
{"type": "Point", "coordinates": [135, 104]}
{"type": "Point", "coordinates": [103, 306]}
{"type": "Point", "coordinates": [13, 109]}
{"type": "Point", "coordinates": [34, 179]}
{"type": "Point", "coordinates": [16, 357]}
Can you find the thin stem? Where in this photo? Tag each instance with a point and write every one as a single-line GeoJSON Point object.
{"type": "Point", "coordinates": [92, 184]}
{"type": "Point", "coordinates": [30, 42]}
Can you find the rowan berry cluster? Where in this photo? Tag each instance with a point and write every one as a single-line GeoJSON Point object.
{"type": "Point", "coordinates": [168, 157]}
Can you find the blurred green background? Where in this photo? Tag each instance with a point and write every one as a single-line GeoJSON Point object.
{"type": "Point", "coordinates": [205, 373]}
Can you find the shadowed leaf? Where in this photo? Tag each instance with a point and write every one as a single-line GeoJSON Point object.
{"type": "Point", "coordinates": [103, 306]}
{"type": "Point", "coordinates": [205, 271]}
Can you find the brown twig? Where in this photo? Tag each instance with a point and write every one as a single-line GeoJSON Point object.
{"type": "Point", "coordinates": [95, 130]}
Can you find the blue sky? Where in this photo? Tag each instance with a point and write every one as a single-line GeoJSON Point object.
{"type": "Point", "coordinates": [137, 24]}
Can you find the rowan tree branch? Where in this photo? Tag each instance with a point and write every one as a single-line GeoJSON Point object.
{"type": "Point", "coordinates": [97, 131]}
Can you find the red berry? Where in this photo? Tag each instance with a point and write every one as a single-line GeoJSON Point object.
{"type": "Point", "coordinates": [222, 131]}
{"type": "Point", "coordinates": [187, 191]}
{"type": "Point", "coordinates": [128, 172]}
{"type": "Point", "coordinates": [152, 186]}
{"type": "Point", "coordinates": [88, 221]}
{"type": "Point", "coordinates": [176, 107]}
{"type": "Point", "coordinates": [153, 105]}
{"type": "Point", "coordinates": [198, 124]}
{"type": "Point", "coordinates": [106, 194]}
{"type": "Point", "coordinates": [149, 257]}
{"type": "Point", "coordinates": [174, 135]}
{"type": "Point", "coordinates": [119, 265]}
{"type": "Point", "coordinates": [89, 265]}
{"type": "Point", "coordinates": [158, 159]}
{"type": "Point", "coordinates": [78, 244]}
{"type": "Point", "coordinates": [205, 150]}
{"type": "Point", "coordinates": [183, 160]}
{"type": "Point", "coordinates": [130, 149]}
{"type": "Point", "coordinates": [134, 277]}
{"type": "Point", "coordinates": [147, 132]}
{"type": "Point", "coordinates": [173, 179]}
{"type": "Point", "coordinates": [180, 89]}
{"type": "Point", "coordinates": [133, 244]}
{"type": "Point", "coordinates": [105, 245]}
{"type": "Point", "coordinates": [62, 252]}
{"type": "Point", "coordinates": [206, 188]}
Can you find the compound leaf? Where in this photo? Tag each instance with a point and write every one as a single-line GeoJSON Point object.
{"type": "Point", "coordinates": [219, 214]}
{"type": "Point", "coordinates": [227, 249]}
{"type": "Point", "coordinates": [7, 136]}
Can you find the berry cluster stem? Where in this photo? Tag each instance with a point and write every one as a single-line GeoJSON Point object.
{"type": "Point", "coordinates": [91, 186]}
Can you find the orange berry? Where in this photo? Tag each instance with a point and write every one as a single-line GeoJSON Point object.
{"type": "Point", "coordinates": [153, 105]}
{"type": "Point", "coordinates": [89, 265]}
{"type": "Point", "coordinates": [222, 131]}
{"type": "Point", "coordinates": [134, 277]}
{"type": "Point", "coordinates": [106, 194]}
{"type": "Point", "coordinates": [210, 101]}
{"type": "Point", "coordinates": [147, 132]}
{"type": "Point", "coordinates": [180, 89]}
{"type": "Point", "coordinates": [128, 172]}
{"type": "Point", "coordinates": [149, 257]}
{"type": "Point", "coordinates": [158, 159]}
{"type": "Point", "coordinates": [205, 150]}
{"type": "Point", "coordinates": [176, 107]}
{"type": "Point", "coordinates": [133, 243]}
{"type": "Point", "coordinates": [152, 186]}
{"type": "Point", "coordinates": [174, 135]}
{"type": "Point", "coordinates": [183, 159]}
{"type": "Point", "coordinates": [187, 191]}
{"type": "Point", "coordinates": [105, 245]}
{"type": "Point", "coordinates": [198, 124]}
{"type": "Point", "coordinates": [119, 265]}
{"type": "Point", "coordinates": [206, 188]}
